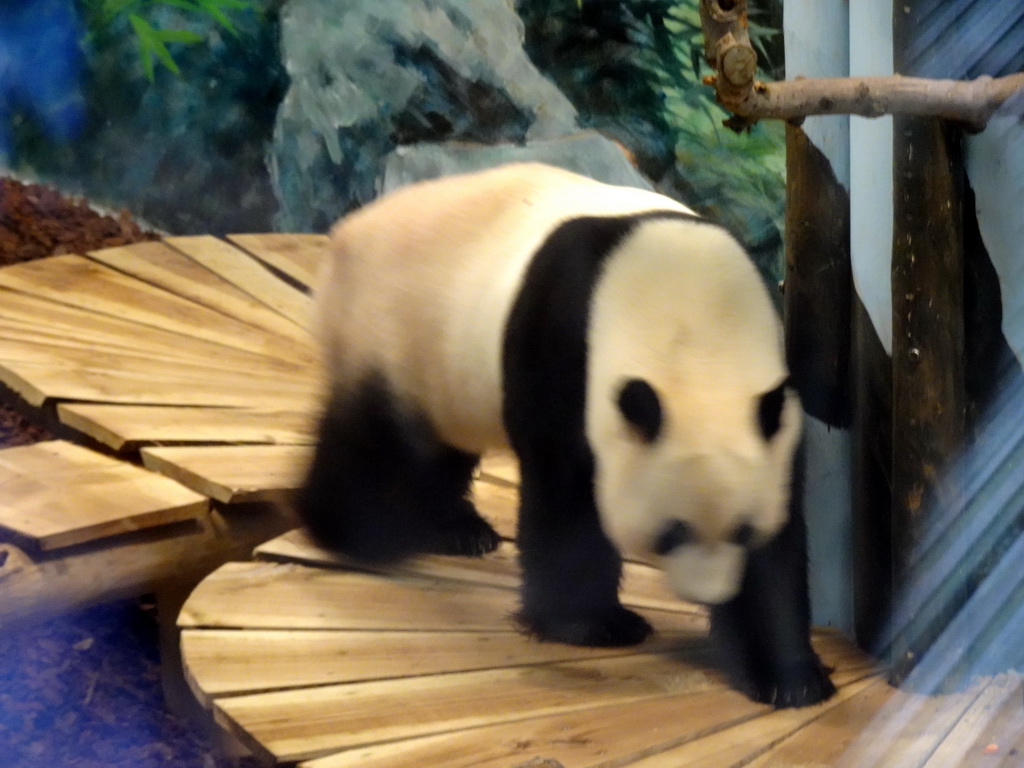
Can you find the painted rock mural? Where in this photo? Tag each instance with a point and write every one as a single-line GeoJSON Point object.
{"type": "Point", "coordinates": [265, 115]}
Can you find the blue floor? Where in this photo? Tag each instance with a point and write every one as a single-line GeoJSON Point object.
{"type": "Point", "coordinates": [84, 690]}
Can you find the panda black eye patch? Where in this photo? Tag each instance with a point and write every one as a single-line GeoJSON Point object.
{"type": "Point", "coordinates": [640, 406]}
{"type": "Point", "coordinates": [769, 410]}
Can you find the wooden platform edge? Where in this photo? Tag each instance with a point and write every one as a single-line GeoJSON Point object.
{"type": "Point", "coordinates": [34, 588]}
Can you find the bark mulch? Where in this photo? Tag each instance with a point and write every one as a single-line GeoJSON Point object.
{"type": "Point", "coordinates": [82, 690]}
{"type": "Point", "coordinates": [37, 221]}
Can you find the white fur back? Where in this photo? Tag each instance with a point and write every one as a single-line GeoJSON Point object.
{"type": "Point", "coordinates": [422, 281]}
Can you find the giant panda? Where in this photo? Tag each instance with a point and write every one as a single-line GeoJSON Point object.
{"type": "Point", "coordinates": [626, 350]}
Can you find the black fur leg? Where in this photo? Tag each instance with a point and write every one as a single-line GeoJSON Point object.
{"type": "Point", "coordinates": [763, 634]}
{"type": "Point", "coordinates": [459, 529]}
{"type": "Point", "coordinates": [612, 628]}
{"type": "Point", "coordinates": [570, 570]}
{"type": "Point", "coordinates": [796, 679]}
{"type": "Point", "coordinates": [466, 534]}
{"type": "Point", "coordinates": [382, 486]}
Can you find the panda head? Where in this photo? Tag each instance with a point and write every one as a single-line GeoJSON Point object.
{"type": "Point", "coordinates": [689, 415]}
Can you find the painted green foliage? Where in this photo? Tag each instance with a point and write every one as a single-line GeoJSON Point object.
{"type": "Point", "coordinates": [747, 170]}
{"type": "Point", "coordinates": [153, 40]}
{"type": "Point", "coordinates": [635, 71]}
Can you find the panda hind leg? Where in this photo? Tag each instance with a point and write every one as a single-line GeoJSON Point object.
{"type": "Point", "coordinates": [459, 529]}
{"type": "Point", "coordinates": [382, 486]}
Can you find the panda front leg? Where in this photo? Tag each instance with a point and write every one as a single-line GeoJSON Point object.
{"type": "Point", "coordinates": [763, 634]}
{"type": "Point", "coordinates": [382, 486]}
{"type": "Point", "coordinates": [570, 570]}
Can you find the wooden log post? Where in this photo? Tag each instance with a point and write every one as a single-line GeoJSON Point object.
{"type": "Point", "coordinates": [928, 395]}
{"type": "Point", "coordinates": [872, 481]}
{"type": "Point", "coordinates": [818, 283]}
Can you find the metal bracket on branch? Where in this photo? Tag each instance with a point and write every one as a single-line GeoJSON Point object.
{"type": "Point", "coordinates": [727, 48]}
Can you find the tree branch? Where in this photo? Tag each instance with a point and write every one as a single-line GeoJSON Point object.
{"type": "Point", "coordinates": [727, 49]}
{"type": "Point", "coordinates": [971, 102]}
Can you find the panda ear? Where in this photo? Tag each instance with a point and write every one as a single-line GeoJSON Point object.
{"type": "Point", "coordinates": [640, 406]}
{"type": "Point", "coordinates": [769, 410]}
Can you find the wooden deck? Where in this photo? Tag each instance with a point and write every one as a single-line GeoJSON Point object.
{"type": "Point", "coordinates": [306, 661]}
{"type": "Point", "coordinates": [189, 364]}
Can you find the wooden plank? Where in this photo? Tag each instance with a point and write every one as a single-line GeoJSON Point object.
{"type": "Point", "coordinates": [240, 269]}
{"type": "Point", "coordinates": [165, 267]}
{"type": "Point", "coordinates": [835, 731]}
{"type": "Point", "coordinates": [39, 382]}
{"type": "Point", "coordinates": [840, 652]}
{"type": "Point", "coordinates": [642, 585]}
{"type": "Point", "coordinates": [126, 427]}
{"type": "Point", "coordinates": [606, 736]}
{"type": "Point", "coordinates": [36, 587]}
{"type": "Point", "coordinates": [232, 662]}
{"type": "Point", "coordinates": [993, 719]}
{"type": "Point", "coordinates": [128, 364]}
{"type": "Point", "coordinates": [298, 256]}
{"type": "Point", "coordinates": [24, 317]}
{"type": "Point", "coordinates": [295, 546]}
{"type": "Point", "coordinates": [500, 467]}
{"type": "Point", "coordinates": [21, 337]}
{"type": "Point", "coordinates": [304, 723]}
{"type": "Point", "coordinates": [81, 282]}
{"type": "Point", "coordinates": [232, 473]}
{"type": "Point", "coordinates": [282, 596]}
{"type": "Point", "coordinates": [499, 503]}
{"type": "Point", "coordinates": [497, 499]}
{"type": "Point", "coordinates": [56, 494]}
{"type": "Point", "coordinates": [999, 743]}
{"type": "Point", "coordinates": [886, 726]}
{"type": "Point", "coordinates": [287, 596]}
{"type": "Point", "coordinates": [741, 743]}
{"type": "Point", "coordinates": [496, 569]}
{"type": "Point", "coordinates": [601, 736]}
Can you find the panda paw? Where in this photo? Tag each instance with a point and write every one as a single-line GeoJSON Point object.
{"type": "Point", "coordinates": [468, 535]}
{"type": "Point", "coordinates": [795, 684]}
{"type": "Point", "coordinates": [611, 627]}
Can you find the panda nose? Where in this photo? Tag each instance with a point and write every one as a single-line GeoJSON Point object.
{"type": "Point", "coordinates": [674, 535]}
{"type": "Point", "coordinates": [743, 536]}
